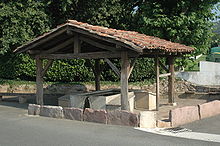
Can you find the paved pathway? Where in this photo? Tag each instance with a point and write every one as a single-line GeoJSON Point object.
{"type": "Point", "coordinates": [17, 128]}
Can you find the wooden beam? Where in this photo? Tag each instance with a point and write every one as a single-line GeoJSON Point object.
{"type": "Point", "coordinates": [109, 39]}
{"type": "Point", "coordinates": [157, 69]}
{"type": "Point", "coordinates": [98, 45]}
{"type": "Point", "coordinates": [163, 66]}
{"type": "Point", "coordinates": [77, 44]}
{"type": "Point", "coordinates": [171, 78]}
{"type": "Point", "coordinates": [165, 75]}
{"type": "Point", "coordinates": [41, 40]}
{"type": "Point", "coordinates": [97, 72]}
{"type": "Point", "coordinates": [58, 47]}
{"type": "Point", "coordinates": [90, 55]}
{"type": "Point", "coordinates": [39, 81]}
{"type": "Point", "coordinates": [132, 66]}
{"type": "Point", "coordinates": [49, 63]}
{"type": "Point", "coordinates": [125, 67]}
{"type": "Point", "coordinates": [113, 67]}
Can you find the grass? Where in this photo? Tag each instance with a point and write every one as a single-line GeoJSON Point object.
{"type": "Point", "coordinates": [103, 83]}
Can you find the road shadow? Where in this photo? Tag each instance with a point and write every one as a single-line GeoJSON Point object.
{"type": "Point", "coordinates": [14, 104]}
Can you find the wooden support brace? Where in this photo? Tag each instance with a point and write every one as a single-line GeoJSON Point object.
{"type": "Point", "coordinates": [39, 81]}
{"type": "Point", "coordinates": [164, 75]}
{"type": "Point", "coordinates": [114, 68]}
{"type": "Point", "coordinates": [157, 69]}
{"type": "Point", "coordinates": [132, 66]}
{"type": "Point", "coordinates": [96, 44]}
{"type": "Point", "coordinates": [49, 63]}
{"type": "Point", "coordinates": [58, 47]}
{"type": "Point", "coordinates": [163, 66]}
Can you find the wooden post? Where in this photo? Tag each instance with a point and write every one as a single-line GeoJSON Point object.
{"type": "Point", "coordinates": [97, 73]}
{"type": "Point", "coordinates": [77, 45]}
{"type": "Point", "coordinates": [157, 69]}
{"type": "Point", "coordinates": [125, 67]}
{"type": "Point", "coordinates": [171, 79]}
{"type": "Point", "coordinates": [39, 81]}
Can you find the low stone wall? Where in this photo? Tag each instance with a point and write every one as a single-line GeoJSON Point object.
{"type": "Point", "coordinates": [116, 117]}
{"type": "Point", "coordinates": [209, 109]}
{"type": "Point", "coordinates": [51, 111]}
{"type": "Point", "coordinates": [177, 117]}
{"type": "Point", "coordinates": [188, 114]}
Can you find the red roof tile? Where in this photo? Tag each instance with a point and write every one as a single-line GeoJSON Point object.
{"type": "Point", "coordinates": [132, 39]}
{"type": "Point", "coordinates": [137, 39]}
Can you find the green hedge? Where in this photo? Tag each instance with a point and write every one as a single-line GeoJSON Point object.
{"type": "Point", "coordinates": [23, 67]}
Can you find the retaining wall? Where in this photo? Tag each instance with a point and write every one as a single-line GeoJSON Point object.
{"type": "Point", "coordinates": [116, 117]}
{"type": "Point", "coordinates": [188, 114]}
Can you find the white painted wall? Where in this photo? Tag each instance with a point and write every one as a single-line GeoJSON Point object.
{"type": "Point", "coordinates": [209, 74]}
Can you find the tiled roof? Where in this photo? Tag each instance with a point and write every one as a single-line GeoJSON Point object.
{"type": "Point", "coordinates": [133, 38]}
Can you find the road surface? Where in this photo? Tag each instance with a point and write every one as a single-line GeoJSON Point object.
{"type": "Point", "coordinates": [17, 128]}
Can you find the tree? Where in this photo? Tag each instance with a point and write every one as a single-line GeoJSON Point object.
{"type": "Point", "coordinates": [182, 21]}
{"type": "Point", "coordinates": [21, 21]}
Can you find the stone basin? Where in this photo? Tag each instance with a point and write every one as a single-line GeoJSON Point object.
{"type": "Point", "coordinates": [106, 99]}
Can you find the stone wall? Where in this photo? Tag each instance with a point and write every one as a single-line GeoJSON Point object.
{"type": "Point", "coordinates": [188, 114]}
{"type": "Point", "coordinates": [117, 117]}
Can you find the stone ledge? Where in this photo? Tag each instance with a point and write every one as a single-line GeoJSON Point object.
{"type": "Point", "coordinates": [209, 109]}
{"type": "Point", "coordinates": [148, 119]}
{"type": "Point", "coordinates": [51, 111]}
{"type": "Point", "coordinates": [33, 109]}
{"type": "Point", "coordinates": [183, 115]}
{"type": "Point", "coordinates": [98, 116]}
{"type": "Point", "coordinates": [73, 114]}
{"type": "Point", "coordinates": [125, 118]}
{"type": "Point", "coordinates": [163, 124]}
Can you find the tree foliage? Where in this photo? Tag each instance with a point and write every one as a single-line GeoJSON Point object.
{"type": "Point", "coordinates": [21, 20]}
{"type": "Point", "coordinates": [182, 21]}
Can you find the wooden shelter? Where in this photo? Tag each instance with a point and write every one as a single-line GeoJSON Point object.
{"type": "Point", "coordinates": [77, 40]}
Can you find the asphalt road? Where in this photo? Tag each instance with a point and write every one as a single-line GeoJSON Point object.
{"type": "Point", "coordinates": [17, 128]}
{"type": "Point", "coordinates": [208, 125]}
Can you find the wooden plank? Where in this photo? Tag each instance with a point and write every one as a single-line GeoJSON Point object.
{"type": "Point", "coordinates": [49, 63]}
{"type": "Point", "coordinates": [77, 44]}
{"type": "Point", "coordinates": [98, 45]}
{"type": "Point", "coordinates": [157, 69]}
{"type": "Point", "coordinates": [58, 47]}
{"type": "Point", "coordinates": [125, 67]}
{"type": "Point", "coordinates": [97, 72]}
{"type": "Point", "coordinates": [25, 94]}
{"type": "Point", "coordinates": [113, 67]}
{"type": "Point", "coordinates": [39, 81]}
{"type": "Point", "coordinates": [90, 55]}
{"type": "Point", "coordinates": [165, 75]}
{"type": "Point", "coordinates": [41, 40]}
{"type": "Point", "coordinates": [132, 66]}
{"type": "Point", "coordinates": [171, 78]}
